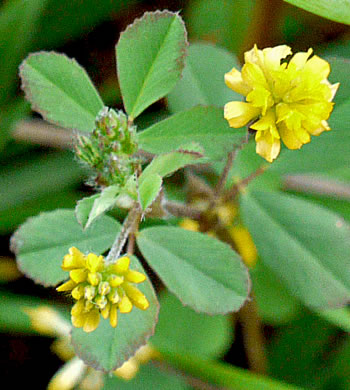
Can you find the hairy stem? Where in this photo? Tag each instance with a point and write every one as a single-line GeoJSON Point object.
{"type": "Point", "coordinates": [128, 227]}
{"type": "Point", "coordinates": [243, 183]}
{"type": "Point", "coordinates": [224, 175]}
{"type": "Point", "coordinates": [220, 186]}
{"type": "Point", "coordinates": [181, 210]}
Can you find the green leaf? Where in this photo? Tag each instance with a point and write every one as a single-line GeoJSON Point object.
{"type": "Point", "coordinates": [337, 10]}
{"type": "Point", "coordinates": [340, 68]}
{"type": "Point", "coordinates": [149, 377]}
{"type": "Point", "coordinates": [306, 246]}
{"type": "Point", "coordinates": [166, 164]}
{"type": "Point", "coordinates": [183, 338]}
{"type": "Point", "coordinates": [150, 59]}
{"type": "Point", "coordinates": [60, 90]}
{"type": "Point", "coordinates": [205, 126]}
{"type": "Point", "coordinates": [40, 176]}
{"type": "Point", "coordinates": [107, 348]}
{"type": "Point", "coordinates": [149, 189]}
{"type": "Point", "coordinates": [42, 183]}
{"type": "Point", "coordinates": [67, 20]}
{"type": "Point", "coordinates": [201, 271]}
{"type": "Point", "coordinates": [276, 305]}
{"type": "Point", "coordinates": [18, 28]}
{"type": "Point", "coordinates": [84, 207]}
{"type": "Point", "coordinates": [88, 209]}
{"type": "Point", "coordinates": [298, 354]}
{"type": "Point", "coordinates": [41, 243]}
{"type": "Point", "coordinates": [224, 22]}
{"type": "Point", "coordinates": [150, 181]}
{"type": "Point", "coordinates": [12, 315]}
{"type": "Point", "coordinates": [202, 81]}
{"type": "Point", "coordinates": [338, 317]}
{"type": "Point", "coordinates": [222, 374]}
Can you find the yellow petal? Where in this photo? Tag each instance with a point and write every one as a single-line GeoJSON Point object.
{"type": "Point", "coordinates": [75, 259]}
{"type": "Point", "coordinates": [104, 288]}
{"type": "Point", "coordinates": [67, 377]}
{"type": "Point", "coordinates": [253, 76]}
{"type": "Point", "coordinates": [113, 316]}
{"type": "Point", "coordinates": [94, 263]}
{"type": "Point", "coordinates": [253, 55]}
{"type": "Point", "coordinates": [267, 123]}
{"type": "Point", "coordinates": [226, 213]}
{"type": "Point", "coordinates": [260, 97]}
{"type": "Point", "coordinates": [189, 224]}
{"type": "Point", "coordinates": [267, 146]}
{"type": "Point", "coordinates": [239, 114]}
{"type": "Point", "coordinates": [92, 320]}
{"type": "Point", "coordinates": [317, 66]}
{"type": "Point", "coordinates": [106, 311]}
{"type": "Point", "coordinates": [234, 80]}
{"type": "Point", "coordinates": [78, 321]}
{"type": "Point", "coordinates": [121, 266]}
{"type": "Point", "coordinates": [302, 135]}
{"type": "Point", "coordinates": [136, 296]}
{"type": "Point", "coordinates": [94, 278]}
{"type": "Point", "coordinates": [145, 353]}
{"type": "Point", "coordinates": [113, 296]}
{"type": "Point", "coordinates": [288, 137]}
{"type": "Point", "coordinates": [101, 302]}
{"type": "Point", "coordinates": [78, 275]}
{"type": "Point", "coordinates": [67, 286]}
{"type": "Point", "coordinates": [244, 243]}
{"type": "Point", "coordinates": [78, 307]}
{"type": "Point", "coordinates": [323, 127]}
{"type": "Point", "coordinates": [48, 321]}
{"type": "Point", "coordinates": [299, 59]}
{"type": "Point", "coordinates": [135, 277]}
{"type": "Point", "coordinates": [274, 55]}
{"type": "Point", "coordinates": [125, 305]}
{"type": "Point", "coordinates": [128, 370]}
{"type": "Point", "coordinates": [90, 292]}
{"type": "Point", "coordinates": [78, 292]}
{"type": "Point", "coordinates": [115, 280]}
{"type": "Point", "coordinates": [334, 89]}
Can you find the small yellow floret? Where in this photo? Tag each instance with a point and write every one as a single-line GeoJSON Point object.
{"type": "Point", "coordinates": [142, 356]}
{"type": "Point", "coordinates": [68, 376]}
{"type": "Point", "coordinates": [47, 321]}
{"type": "Point", "coordinates": [189, 224]}
{"type": "Point", "coordinates": [245, 244]}
{"type": "Point", "coordinates": [284, 101]}
{"type": "Point", "coordinates": [100, 289]}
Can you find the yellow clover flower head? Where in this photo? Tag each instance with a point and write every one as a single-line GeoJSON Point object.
{"type": "Point", "coordinates": [286, 101]}
{"type": "Point", "coordinates": [101, 289]}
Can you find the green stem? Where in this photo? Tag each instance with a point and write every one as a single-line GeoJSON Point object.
{"type": "Point", "coordinates": [221, 374]}
{"type": "Point", "coordinates": [253, 338]}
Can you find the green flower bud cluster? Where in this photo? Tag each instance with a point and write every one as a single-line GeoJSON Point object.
{"type": "Point", "coordinates": [109, 149]}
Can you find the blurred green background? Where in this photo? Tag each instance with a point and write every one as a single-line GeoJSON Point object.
{"type": "Point", "coordinates": [38, 171]}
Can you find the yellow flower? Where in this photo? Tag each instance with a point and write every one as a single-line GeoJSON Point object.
{"type": "Point", "coordinates": [68, 376]}
{"type": "Point", "coordinates": [47, 321]}
{"type": "Point", "coordinates": [189, 224]}
{"type": "Point", "coordinates": [142, 356]}
{"type": "Point", "coordinates": [244, 244]}
{"type": "Point", "coordinates": [101, 289]}
{"type": "Point", "coordinates": [286, 101]}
